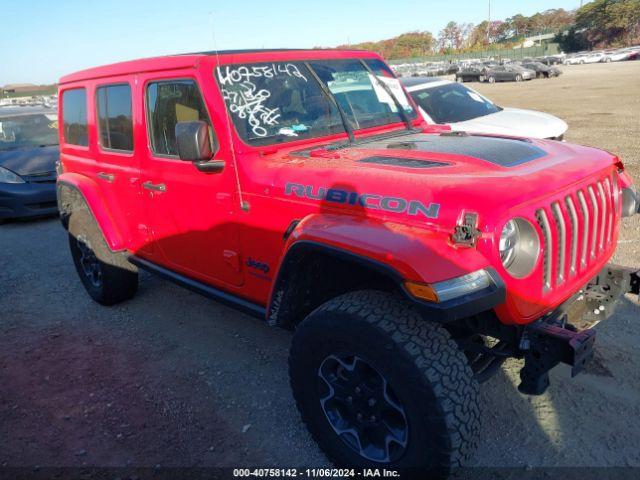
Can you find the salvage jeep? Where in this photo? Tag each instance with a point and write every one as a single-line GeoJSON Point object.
{"type": "Point", "coordinates": [301, 186]}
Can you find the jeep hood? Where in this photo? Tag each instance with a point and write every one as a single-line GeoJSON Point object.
{"type": "Point", "coordinates": [452, 171]}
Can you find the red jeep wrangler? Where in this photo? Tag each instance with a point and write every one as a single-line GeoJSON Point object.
{"type": "Point", "coordinates": [302, 187]}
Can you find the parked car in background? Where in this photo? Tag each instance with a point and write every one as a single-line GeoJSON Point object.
{"type": "Point", "coordinates": [542, 70]}
{"type": "Point", "coordinates": [577, 59]}
{"type": "Point", "coordinates": [28, 155]}
{"type": "Point", "coordinates": [464, 109]}
{"type": "Point", "coordinates": [624, 54]}
{"type": "Point", "coordinates": [471, 73]}
{"type": "Point", "coordinates": [596, 57]}
{"type": "Point", "coordinates": [509, 73]}
{"type": "Point", "coordinates": [551, 60]}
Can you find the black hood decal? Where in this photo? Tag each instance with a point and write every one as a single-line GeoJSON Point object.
{"type": "Point", "coordinates": [506, 152]}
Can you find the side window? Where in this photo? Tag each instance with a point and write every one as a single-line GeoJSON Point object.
{"type": "Point", "coordinates": [74, 117]}
{"type": "Point", "coordinates": [168, 103]}
{"type": "Point", "coordinates": [115, 122]}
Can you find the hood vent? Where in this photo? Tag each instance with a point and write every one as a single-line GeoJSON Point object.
{"type": "Point", "coordinates": [402, 162]}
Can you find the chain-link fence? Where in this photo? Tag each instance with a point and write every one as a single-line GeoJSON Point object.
{"type": "Point", "coordinates": [511, 53]}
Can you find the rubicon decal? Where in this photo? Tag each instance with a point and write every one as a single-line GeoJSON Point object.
{"type": "Point", "coordinates": [366, 200]}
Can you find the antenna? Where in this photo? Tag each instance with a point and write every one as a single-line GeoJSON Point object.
{"type": "Point", "coordinates": [243, 206]}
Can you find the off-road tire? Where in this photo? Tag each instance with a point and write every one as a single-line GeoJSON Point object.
{"type": "Point", "coordinates": [119, 278]}
{"type": "Point", "coordinates": [429, 374]}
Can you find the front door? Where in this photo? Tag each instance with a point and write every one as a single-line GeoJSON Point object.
{"type": "Point", "coordinates": [191, 214]}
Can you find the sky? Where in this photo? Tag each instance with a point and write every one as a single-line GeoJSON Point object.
{"type": "Point", "coordinates": [41, 40]}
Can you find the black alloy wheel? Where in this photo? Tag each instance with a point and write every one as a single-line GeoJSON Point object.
{"type": "Point", "coordinates": [362, 408]}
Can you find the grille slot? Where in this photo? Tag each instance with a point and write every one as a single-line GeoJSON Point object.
{"type": "Point", "coordinates": [573, 214]}
{"type": "Point", "coordinates": [547, 243]}
{"type": "Point", "coordinates": [607, 189]}
{"type": "Point", "coordinates": [596, 218]}
{"type": "Point", "coordinates": [603, 215]}
{"type": "Point", "coordinates": [562, 239]}
{"type": "Point", "coordinates": [585, 228]}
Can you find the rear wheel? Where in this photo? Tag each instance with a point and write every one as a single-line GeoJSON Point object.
{"type": "Point", "coordinates": [107, 276]}
{"type": "Point", "coordinates": [491, 79]}
{"type": "Point", "coordinates": [379, 387]}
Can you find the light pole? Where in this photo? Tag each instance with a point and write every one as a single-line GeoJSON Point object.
{"type": "Point", "coordinates": [489, 24]}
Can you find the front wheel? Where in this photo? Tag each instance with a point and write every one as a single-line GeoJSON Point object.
{"type": "Point", "coordinates": [380, 387]}
{"type": "Point", "coordinates": [518, 78]}
{"type": "Point", "coordinates": [491, 79]}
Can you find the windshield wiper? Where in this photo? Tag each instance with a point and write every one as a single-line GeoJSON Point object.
{"type": "Point", "coordinates": [401, 111]}
{"type": "Point", "coordinates": [372, 138]}
{"type": "Point", "coordinates": [327, 93]}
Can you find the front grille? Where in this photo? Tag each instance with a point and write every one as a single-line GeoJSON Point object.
{"type": "Point", "coordinates": [576, 232]}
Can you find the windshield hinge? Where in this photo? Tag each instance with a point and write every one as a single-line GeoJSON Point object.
{"type": "Point", "coordinates": [466, 232]}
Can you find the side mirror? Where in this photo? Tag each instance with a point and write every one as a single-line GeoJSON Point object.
{"type": "Point", "coordinates": [195, 145]}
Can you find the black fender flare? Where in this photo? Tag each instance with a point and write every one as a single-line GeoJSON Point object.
{"type": "Point", "coordinates": [278, 313]}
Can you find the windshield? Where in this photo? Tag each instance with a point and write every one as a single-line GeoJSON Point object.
{"type": "Point", "coordinates": [453, 103]}
{"type": "Point", "coordinates": [284, 101]}
{"type": "Point", "coordinates": [27, 131]}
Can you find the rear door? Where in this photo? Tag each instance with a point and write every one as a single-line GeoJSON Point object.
{"type": "Point", "coordinates": [97, 141]}
{"type": "Point", "coordinates": [191, 214]}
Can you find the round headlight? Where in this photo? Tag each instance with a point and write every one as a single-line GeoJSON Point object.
{"type": "Point", "coordinates": [519, 247]}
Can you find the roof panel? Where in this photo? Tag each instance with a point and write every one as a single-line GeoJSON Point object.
{"type": "Point", "coordinates": [188, 60]}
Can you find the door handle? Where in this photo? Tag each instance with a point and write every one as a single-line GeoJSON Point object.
{"type": "Point", "coordinates": [109, 177]}
{"type": "Point", "coordinates": [158, 187]}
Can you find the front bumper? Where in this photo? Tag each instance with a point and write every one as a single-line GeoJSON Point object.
{"type": "Point", "coordinates": [23, 200]}
{"type": "Point", "coordinates": [567, 335]}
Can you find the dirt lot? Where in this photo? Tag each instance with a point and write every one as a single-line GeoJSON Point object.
{"type": "Point", "coordinates": [173, 379]}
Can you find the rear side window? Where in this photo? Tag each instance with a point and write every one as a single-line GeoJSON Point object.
{"type": "Point", "coordinates": [74, 117]}
{"type": "Point", "coordinates": [115, 122]}
{"type": "Point", "coordinates": [168, 103]}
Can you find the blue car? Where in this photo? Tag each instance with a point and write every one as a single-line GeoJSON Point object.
{"type": "Point", "coordinates": [28, 155]}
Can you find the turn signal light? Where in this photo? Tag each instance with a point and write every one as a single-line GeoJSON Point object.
{"type": "Point", "coordinates": [422, 291]}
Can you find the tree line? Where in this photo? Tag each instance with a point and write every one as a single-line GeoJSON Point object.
{"type": "Point", "coordinates": [598, 24]}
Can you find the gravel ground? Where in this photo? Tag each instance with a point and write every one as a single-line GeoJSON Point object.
{"type": "Point", "coordinates": [173, 379]}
